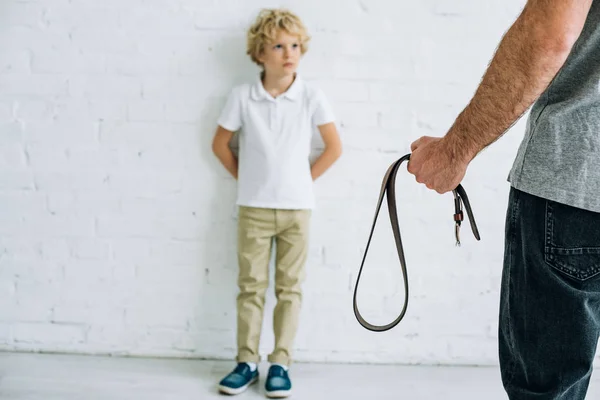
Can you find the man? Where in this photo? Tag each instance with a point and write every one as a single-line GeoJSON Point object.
{"type": "Point", "coordinates": [550, 298]}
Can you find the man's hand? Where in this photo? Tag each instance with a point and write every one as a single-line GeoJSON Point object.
{"type": "Point", "coordinates": [432, 162]}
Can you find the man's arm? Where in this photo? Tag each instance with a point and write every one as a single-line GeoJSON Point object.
{"type": "Point", "coordinates": [221, 149]}
{"type": "Point", "coordinates": [528, 58]}
{"type": "Point", "coordinates": [333, 150]}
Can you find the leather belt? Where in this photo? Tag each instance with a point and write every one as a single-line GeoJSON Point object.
{"type": "Point", "coordinates": [388, 186]}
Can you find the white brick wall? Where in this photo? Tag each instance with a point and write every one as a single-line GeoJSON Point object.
{"type": "Point", "coordinates": [117, 224]}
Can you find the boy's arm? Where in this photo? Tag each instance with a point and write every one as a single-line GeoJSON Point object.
{"type": "Point", "coordinates": [333, 150]}
{"type": "Point", "coordinates": [528, 57]}
{"type": "Point", "coordinates": [220, 147]}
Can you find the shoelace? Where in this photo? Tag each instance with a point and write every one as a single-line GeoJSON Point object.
{"type": "Point", "coordinates": [388, 187]}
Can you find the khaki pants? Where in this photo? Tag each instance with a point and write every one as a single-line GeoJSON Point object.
{"type": "Point", "coordinates": [258, 229]}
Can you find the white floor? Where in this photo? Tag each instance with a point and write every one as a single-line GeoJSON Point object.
{"type": "Point", "coordinates": [54, 377]}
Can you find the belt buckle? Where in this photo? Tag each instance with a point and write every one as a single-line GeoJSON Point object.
{"type": "Point", "coordinates": [458, 216]}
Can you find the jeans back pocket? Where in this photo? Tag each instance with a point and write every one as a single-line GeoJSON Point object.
{"type": "Point", "coordinates": [572, 243]}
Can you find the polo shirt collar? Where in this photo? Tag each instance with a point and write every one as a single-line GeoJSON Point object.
{"type": "Point", "coordinates": [259, 93]}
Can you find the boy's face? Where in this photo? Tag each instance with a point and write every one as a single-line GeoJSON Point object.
{"type": "Point", "coordinates": [281, 57]}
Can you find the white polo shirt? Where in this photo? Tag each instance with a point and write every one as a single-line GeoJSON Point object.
{"type": "Point", "coordinates": [274, 142]}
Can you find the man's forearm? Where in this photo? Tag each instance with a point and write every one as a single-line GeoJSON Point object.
{"type": "Point", "coordinates": [527, 60]}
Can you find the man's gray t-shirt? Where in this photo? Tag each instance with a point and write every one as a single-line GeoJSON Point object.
{"type": "Point", "coordinates": [559, 158]}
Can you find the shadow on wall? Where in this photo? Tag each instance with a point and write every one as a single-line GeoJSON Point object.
{"type": "Point", "coordinates": [214, 334]}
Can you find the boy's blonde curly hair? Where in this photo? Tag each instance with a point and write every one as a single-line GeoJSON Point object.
{"type": "Point", "coordinates": [266, 27]}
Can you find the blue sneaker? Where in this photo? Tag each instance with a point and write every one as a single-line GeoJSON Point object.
{"type": "Point", "coordinates": [238, 380]}
{"type": "Point", "coordinates": [278, 383]}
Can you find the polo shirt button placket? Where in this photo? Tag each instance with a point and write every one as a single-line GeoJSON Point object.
{"type": "Point", "coordinates": [274, 114]}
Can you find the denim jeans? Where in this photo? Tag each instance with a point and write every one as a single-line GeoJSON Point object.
{"type": "Point", "coordinates": [550, 299]}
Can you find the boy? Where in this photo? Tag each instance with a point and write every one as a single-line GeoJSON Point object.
{"type": "Point", "coordinates": [275, 116]}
